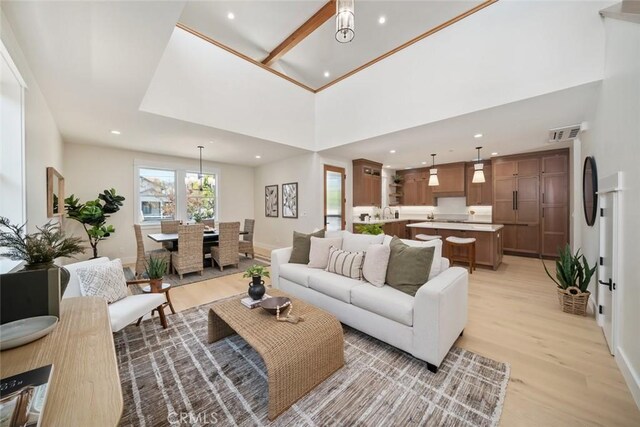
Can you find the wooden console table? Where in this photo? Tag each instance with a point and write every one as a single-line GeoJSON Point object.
{"type": "Point", "coordinates": [85, 387]}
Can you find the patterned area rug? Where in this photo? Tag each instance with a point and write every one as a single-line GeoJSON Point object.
{"type": "Point", "coordinates": [208, 273]}
{"type": "Point", "coordinates": [174, 376]}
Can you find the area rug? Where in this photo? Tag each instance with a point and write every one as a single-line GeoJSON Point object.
{"type": "Point", "coordinates": [174, 376]}
{"type": "Point", "coordinates": [208, 273]}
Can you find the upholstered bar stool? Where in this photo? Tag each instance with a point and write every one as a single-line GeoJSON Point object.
{"type": "Point", "coordinates": [464, 242]}
{"type": "Point", "coordinates": [426, 237]}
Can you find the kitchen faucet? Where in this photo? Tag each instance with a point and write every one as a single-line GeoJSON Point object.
{"type": "Point", "coordinates": [390, 213]}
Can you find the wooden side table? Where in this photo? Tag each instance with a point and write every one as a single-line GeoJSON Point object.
{"type": "Point", "coordinates": [166, 287]}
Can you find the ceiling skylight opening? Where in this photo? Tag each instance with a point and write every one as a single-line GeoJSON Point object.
{"type": "Point", "coordinates": [382, 20]}
{"type": "Point", "coordinates": [231, 16]}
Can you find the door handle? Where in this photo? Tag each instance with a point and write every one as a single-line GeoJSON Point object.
{"type": "Point", "coordinates": [513, 200]}
{"type": "Point", "coordinates": [609, 284]}
{"type": "Point", "coordinates": [516, 199]}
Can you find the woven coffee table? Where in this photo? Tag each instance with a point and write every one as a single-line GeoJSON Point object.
{"type": "Point", "coordinates": [298, 356]}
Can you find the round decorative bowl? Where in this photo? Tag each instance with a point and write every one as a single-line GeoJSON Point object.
{"type": "Point", "coordinates": [21, 332]}
{"type": "Point", "coordinates": [271, 304]}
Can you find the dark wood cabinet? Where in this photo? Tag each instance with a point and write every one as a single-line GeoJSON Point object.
{"type": "Point", "coordinates": [480, 194]}
{"type": "Point", "coordinates": [526, 201]}
{"type": "Point", "coordinates": [367, 183]}
{"type": "Point", "coordinates": [417, 192]}
{"type": "Point", "coordinates": [451, 179]}
{"type": "Point", "coordinates": [396, 228]}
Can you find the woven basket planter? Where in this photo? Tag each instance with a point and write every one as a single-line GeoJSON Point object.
{"type": "Point", "coordinates": [573, 301]}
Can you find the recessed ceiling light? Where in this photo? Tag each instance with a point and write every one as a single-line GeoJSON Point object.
{"type": "Point", "coordinates": [495, 153]}
{"type": "Point", "coordinates": [477, 135]}
{"type": "Point", "coordinates": [258, 156]}
{"type": "Point", "coordinates": [115, 132]}
{"type": "Point", "coordinates": [424, 163]}
{"type": "Point", "coordinates": [382, 20]}
{"type": "Point", "coordinates": [392, 151]}
{"type": "Point", "coordinates": [230, 15]}
{"type": "Point", "coordinates": [387, 166]}
{"type": "Point", "coordinates": [327, 74]}
{"type": "Point", "coordinates": [408, 167]}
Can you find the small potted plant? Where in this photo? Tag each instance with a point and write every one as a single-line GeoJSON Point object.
{"type": "Point", "coordinates": [573, 275]}
{"type": "Point", "coordinates": [156, 269]}
{"type": "Point", "coordinates": [256, 286]}
{"type": "Point", "coordinates": [397, 179]}
{"type": "Point", "coordinates": [39, 250]}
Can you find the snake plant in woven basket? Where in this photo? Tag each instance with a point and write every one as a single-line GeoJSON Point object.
{"type": "Point", "coordinates": [572, 270]}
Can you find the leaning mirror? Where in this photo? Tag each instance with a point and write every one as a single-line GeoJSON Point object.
{"type": "Point", "coordinates": [590, 190]}
{"type": "Point", "coordinates": [55, 193]}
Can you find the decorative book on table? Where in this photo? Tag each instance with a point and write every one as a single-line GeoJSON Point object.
{"type": "Point", "coordinates": [250, 302]}
{"type": "Point", "coordinates": [23, 396]}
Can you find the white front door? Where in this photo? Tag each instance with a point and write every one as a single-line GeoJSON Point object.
{"type": "Point", "coordinates": [606, 282]}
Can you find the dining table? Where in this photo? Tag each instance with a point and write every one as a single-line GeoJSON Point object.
{"type": "Point", "coordinates": [208, 237]}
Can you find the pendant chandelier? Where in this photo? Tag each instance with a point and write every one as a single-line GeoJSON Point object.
{"type": "Point", "coordinates": [200, 175]}
{"type": "Point", "coordinates": [345, 21]}
{"type": "Point", "coordinates": [478, 173]}
{"type": "Point", "coordinates": [433, 173]}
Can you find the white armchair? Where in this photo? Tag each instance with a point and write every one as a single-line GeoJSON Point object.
{"type": "Point", "coordinates": [122, 312]}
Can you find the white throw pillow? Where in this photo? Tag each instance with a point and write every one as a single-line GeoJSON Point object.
{"type": "Point", "coordinates": [344, 263]}
{"type": "Point", "coordinates": [437, 254]}
{"type": "Point", "coordinates": [319, 252]}
{"type": "Point", "coordinates": [103, 280]}
{"type": "Point", "coordinates": [374, 268]}
{"type": "Point", "coordinates": [360, 242]}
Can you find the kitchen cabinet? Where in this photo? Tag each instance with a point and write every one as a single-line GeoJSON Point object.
{"type": "Point", "coordinates": [479, 194]}
{"type": "Point", "coordinates": [410, 195]}
{"type": "Point", "coordinates": [396, 228]}
{"type": "Point", "coordinates": [530, 195]}
{"type": "Point", "coordinates": [367, 183]}
{"type": "Point", "coordinates": [451, 179]}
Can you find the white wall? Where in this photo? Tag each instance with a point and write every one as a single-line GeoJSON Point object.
{"type": "Point", "coordinates": [199, 82]}
{"type": "Point", "coordinates": [615, 143]}
{"type": "Point", "coordinates": [90, 169]}
{"type": "Point", "coordinates": [509, 51]}
{"type": "Point", "coordinates": [308, 171]}
{"type": "Point", "coordinates": [43, 143]}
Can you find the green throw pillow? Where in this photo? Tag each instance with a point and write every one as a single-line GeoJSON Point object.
{"type": "Point", "coordinates": [302, 246]}
{"type": "Point", "coordinates": [409, 266]}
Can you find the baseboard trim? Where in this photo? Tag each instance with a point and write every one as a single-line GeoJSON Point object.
{"type": "Point", "coordinates": [630, 375]}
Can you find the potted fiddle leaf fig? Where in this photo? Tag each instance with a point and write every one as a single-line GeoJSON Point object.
{"type": "Point", "coordinates": [256, 286]}
{"type": "Point", "coordinates": [93, 215]}
{"type": "Point", "coordinates": [573, 275]}
{"type": "Point", "coordinates": [38, 250]}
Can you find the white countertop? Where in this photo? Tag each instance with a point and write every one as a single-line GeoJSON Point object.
{"type": "Point", "coordinates": [458, 226]}
{"type": "Point", "coordinates": [385, 221]}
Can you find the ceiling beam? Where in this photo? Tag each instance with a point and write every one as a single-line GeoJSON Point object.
{"type": "Point", "coordinates": [312, 24]}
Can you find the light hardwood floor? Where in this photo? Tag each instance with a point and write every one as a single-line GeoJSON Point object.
{"type": "Point", "coordinates": [561, 371]}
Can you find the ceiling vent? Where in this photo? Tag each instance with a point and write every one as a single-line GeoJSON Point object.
{"type": "Point", "coordinates": [563, 134]}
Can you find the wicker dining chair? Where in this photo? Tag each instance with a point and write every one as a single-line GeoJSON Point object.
{"type": "Point", "coordinates": [143, 256]}
{"type": "Point", "coordinates": [228, 249]}
{"type": "Point", "coordinates": [188, 257]}
{"type": "Point", "coordinates": [169, 226]}
{"type": "Point", "coordinates": [246, 244]}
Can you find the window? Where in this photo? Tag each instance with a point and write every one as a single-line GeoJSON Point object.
{"type": "Point", "coordinates": [161, 197]}
{"type": "Point", "coordinates": [201, 196]}
{"type": "Point", "coordinates": [157, 195]}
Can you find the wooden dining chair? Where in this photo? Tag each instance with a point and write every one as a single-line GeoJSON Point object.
{"type": "Point", "coordinates": [169, 226]}
{"type": "Point", "coordinates": [142, 256]}
{"type": "Point", "coordinates": [246, 242]}
{"type": "Point", "coordinates": [228, 249]}
{"type": "Point", "coordinates": [188, 257]}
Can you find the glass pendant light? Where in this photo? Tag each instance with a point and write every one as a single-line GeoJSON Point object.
{"type": "Point", "coordinates": [345, 21]}
{"type": "Point", "coordinates": [478, 173]}
{"type": "Point", "coordinates": [433, 173]}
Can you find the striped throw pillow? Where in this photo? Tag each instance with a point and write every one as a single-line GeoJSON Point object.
{"type": "Point", "coordinates": [345, 263]}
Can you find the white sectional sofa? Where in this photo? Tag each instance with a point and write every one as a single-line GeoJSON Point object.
{"type": "Point", "coordinates": [425, 326]}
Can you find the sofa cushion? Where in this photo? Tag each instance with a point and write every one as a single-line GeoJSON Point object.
{"type": "Point", "coordinates": [333, 285]}
{"type": "Point", "coordinates": [348, 264]}
{"type": "Point", "coordinates": [436, 266]}
{"type": "Point", "coordinates": [132, 308]}
{"type": "Point", "coordinates": [408, 266]}
{"type": "Point", "coordinates": [73, 288]}
{"type": "Point", "coordinates": [297, 273]}
{"type": "Point", "coordinates": [359, 242]}
{"type": "Point", "coordinates": [385, 301]}
{"type": "Point", "coordinates": [374, 268]}
{"type": "Point", "coordinates": [319, 252]}
{"type": "Point", "coordinates": [105, 280]}
{"type": "Point", "coordinates": [301, 246]}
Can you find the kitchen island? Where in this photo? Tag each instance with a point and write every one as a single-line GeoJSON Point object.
{"type": "Point", "coordinates": [488, 238]}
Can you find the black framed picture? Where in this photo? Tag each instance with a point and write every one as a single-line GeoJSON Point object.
{"type": "Point", "coordinates": [271, 201]}
{"type": "Point", "coordinates": [290, 200]}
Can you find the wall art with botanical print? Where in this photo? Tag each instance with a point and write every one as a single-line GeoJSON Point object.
{"type": "Point", "coordinates": [290, 200]}
{"type": "Point", "coordinates": [271, 201]}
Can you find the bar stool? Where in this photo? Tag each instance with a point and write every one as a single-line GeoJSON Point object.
{"type": "Point", "coordinates": [426, 237]}
{"type": "Point", "coordinates": [463, 242]}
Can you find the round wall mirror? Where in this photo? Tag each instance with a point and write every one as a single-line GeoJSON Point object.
{"type": "Point", "coordinates": [590, 190]}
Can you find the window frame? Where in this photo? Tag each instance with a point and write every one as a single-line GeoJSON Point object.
{"type": "Point", "coordinates": [180, 169]}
